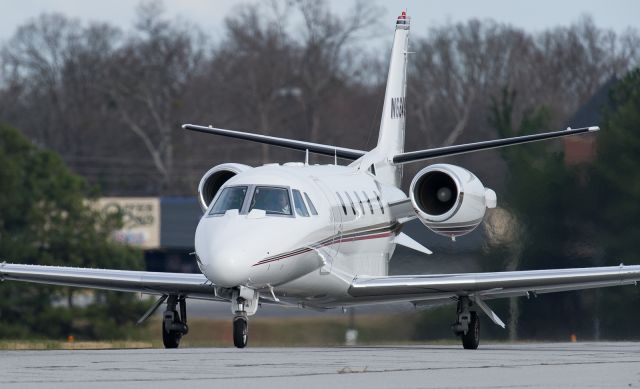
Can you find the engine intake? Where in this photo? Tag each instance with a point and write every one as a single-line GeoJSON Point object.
{"type": "Point", "coordinates": [450, 200]}
{"type": "Point", "coordinates": [213, 180]}
{"type": "Point", "coordinates": [437, 192]}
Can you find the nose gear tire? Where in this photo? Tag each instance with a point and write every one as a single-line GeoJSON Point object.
{"type": "Point", "coordinates": [240, 331]}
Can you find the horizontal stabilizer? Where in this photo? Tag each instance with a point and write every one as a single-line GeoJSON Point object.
{"type": "Point", "coordinates": [405, 240]}
{"type": "Point", "coordinates": [339, 152]}
{"type": "Point", "coordinates": [414, 156]}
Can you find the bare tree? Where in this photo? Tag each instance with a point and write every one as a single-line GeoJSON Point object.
{"type": "Point", "coordinates": [147, 80]}
{"type": "Point", "coordinates": [452, 72]}
{"type": "Point", "coordinates": [252, 69]}
{"type": "Point", "coordinates": [326, 57]}
{"type": "Point", "coordinates": [291, 66]}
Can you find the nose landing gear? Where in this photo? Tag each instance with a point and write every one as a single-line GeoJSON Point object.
{"type": "Point", "coordinates": [244, 303]}
{"type": "Point", "coordinates": [174, 324]}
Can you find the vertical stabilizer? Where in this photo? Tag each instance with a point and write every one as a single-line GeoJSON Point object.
{"type": "Point", "coordinates": [391, 135]}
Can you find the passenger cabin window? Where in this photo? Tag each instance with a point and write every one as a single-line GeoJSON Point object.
{"type": "Point", "coordinates": [353, 208]}
{"type": "Point", "coordinates": [359, 201]}
{"type": "Point", "coordinates": [230, 198]}
{"type": "Point", "coordinates": [344, 207]}
{"type": "Point", "coordinates": [379, 202]}
{"type": "Point", "coordinates": [298, 203]}
{"type": "Point", "coordinates": [273, 200]}
{"type": "Point", "coordinates": [368, 201]}
{"type": "Point", "coordinates": [312, 207]}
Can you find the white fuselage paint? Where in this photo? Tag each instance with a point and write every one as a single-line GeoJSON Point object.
{"type": "Point", "coordinates": [309, 261]}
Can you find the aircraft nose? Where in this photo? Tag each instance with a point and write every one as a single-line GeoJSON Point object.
{"type": "Point", "coordinates": [226, 268]}
{"type": "Point", "coordinates": [222, 255]}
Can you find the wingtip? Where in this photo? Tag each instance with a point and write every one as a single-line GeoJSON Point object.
{"type": "Point", "coordinates": [594, 128]}
{"type": "Point", "coordinates": [184, 126]}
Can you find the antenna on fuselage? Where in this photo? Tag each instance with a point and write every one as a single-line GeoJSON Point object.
{"type": "Point", "coordinates": [306, 157]}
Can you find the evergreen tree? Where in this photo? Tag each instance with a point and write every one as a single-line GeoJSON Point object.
{"type": "Point", "coordinates": [616, 184]}
{"type": "Point", "coordinates": [46, 219]}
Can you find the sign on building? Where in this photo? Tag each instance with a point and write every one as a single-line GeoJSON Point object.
{"type": "Point", "coordinates": [141, 219]}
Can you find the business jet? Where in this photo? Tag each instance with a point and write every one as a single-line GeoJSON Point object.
{"type": "Point", "coordinates": [322, 236]}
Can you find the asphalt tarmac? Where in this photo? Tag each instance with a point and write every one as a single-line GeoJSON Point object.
{"type": "Point", "coordinates": [552, 365]}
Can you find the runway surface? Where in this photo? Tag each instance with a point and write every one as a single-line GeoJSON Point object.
{"type": "Point", "coordinates": [560, 365]}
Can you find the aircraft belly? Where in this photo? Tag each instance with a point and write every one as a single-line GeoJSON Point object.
{"type": "Point", "coordinates": [316, 289]}
{"type": "Point", "coordinates": [319, 290]}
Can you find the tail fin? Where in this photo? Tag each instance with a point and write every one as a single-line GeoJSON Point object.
{"type": "Point", "coordinates": [391, 135]}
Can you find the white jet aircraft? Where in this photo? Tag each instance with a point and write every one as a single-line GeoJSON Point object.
{"type": "Point", "coordinates": [322, 236]}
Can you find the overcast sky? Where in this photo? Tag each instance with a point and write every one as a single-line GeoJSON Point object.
{"type": "Point", "coordinates": [532, 15]}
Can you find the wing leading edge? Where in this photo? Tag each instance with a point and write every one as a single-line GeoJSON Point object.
{"type": "Point", "coordinates": [190, 285]}
{"type": "Point", "coordinates": [491, 285]}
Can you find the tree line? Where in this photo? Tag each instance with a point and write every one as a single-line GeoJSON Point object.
{"type": "Point", "coordinates": [111, 101]}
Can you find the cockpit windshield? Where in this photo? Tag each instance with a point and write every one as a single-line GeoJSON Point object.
{"type": "Point", "coordinates": [230, 198]}
{"type": "Point", "coordinates": [274, 201]}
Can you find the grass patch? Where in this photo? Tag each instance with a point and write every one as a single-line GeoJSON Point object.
{"type": "Point", "coordinates": [272, 332]}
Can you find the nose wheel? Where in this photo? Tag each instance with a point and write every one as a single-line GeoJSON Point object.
{"type": "Point", "coordinates": [240, 331]}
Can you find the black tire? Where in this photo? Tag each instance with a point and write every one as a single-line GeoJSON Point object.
{"type": "Point", "coordinates": [471, 339]}
{"type": "Point", "coordinates": [240, 332]}
{"type": "Point", "coordinates": [170, 339]}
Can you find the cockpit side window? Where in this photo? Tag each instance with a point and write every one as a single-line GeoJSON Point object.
{"type": "Point", "coordinates": [230, 198]}
{"type": "Point", "coordinates": [273, 200]}
{"type": "Point", "coordinates": [298, 203]}
{"type": "Point", "coordinates": [312, 207]}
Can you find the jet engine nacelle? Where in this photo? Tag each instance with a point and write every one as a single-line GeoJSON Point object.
{"type": "Point", "coordinates": [450, 200]}
{"type": "Point", "coordinates": [213, 180]}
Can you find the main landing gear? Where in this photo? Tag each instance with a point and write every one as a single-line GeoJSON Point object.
{"type": "Point", "coordinates": [174, 324]}
{"type": "Point", "coordinates": [467, 325]}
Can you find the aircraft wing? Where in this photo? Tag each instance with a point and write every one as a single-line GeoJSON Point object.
{"type": "Point", "coordinates": [191, 285]}
{"type": "Point", "coordinates": [490, 285]}
{"type": "Point", "coordinates": [317, 148]}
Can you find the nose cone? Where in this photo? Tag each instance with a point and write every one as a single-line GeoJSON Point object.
{"type": "Point", "coordinates": [224, 260]}
{"type": "Point", "coordinates": [224, 268]}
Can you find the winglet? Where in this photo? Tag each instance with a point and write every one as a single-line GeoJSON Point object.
{"type": "Point", "coordinates": [404, 240]}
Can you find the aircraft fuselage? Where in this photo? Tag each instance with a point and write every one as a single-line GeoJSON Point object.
{"type": "Point", "coordinates": [308, 259]}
